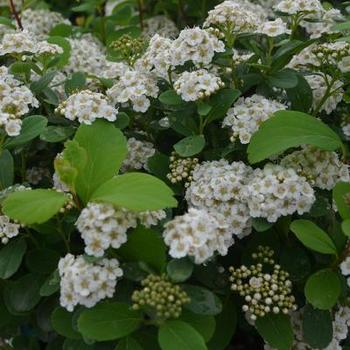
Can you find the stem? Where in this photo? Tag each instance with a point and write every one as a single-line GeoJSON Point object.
{"type": "Point", "coordinates": [63, 236]}
{"type": "Point", "coordinates": [15, 14]}
{"type": "Point", "coordinates": [140, 5]}
{"type": "Point", "coordinates": [326, 95]}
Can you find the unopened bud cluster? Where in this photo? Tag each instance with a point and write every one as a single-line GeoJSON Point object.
{"type": "Point", "coordinates": [161, 297]}
{"type": "Point", "coordinates": [181, 169]}
{"type": "Point", "coordinates": [69, 202]}
{"type": "Point", "coordinates": [129, 48]}
{"type": "Point", "coordinates": [331, 53]}
{"type": "Point", "coordinates": [264, 286]}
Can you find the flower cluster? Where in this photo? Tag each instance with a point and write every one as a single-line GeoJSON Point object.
{"type": "Point", "coordinates": [135, 87]}
{"type": "Point", "coordinates": [15, 101]}
{"type": "Point", "coordinates": [181, 169]}
{"type": "Point", "coordinates": [232, 16]}
{"type": "Point", "coordinates": [197, 234]}
{"type": "Point", "coordinates": [345, 269]}
{"type": "Point", "coordinates": [309, 8]}
{"type": "Point", "coordinates": [196, 45]}
{"type": "Point", "coordinates": [24, 42]}
{"type": "Point", "coordinates": [87, 106]}
{"type": "Point", "coordinates": [160, 25]}
{"type": "Point", "coordinates": [263, 291]}
{"type": "Point", "coordinates": [41, 21]}
{"type": "Point", "coordinates": [103, 226]}
{"type": "Point", "coordinates": [138, 154]}
{"type": "Point", "coordinates": [319, 88]}
{"type": "Point", "coordinates": [245, 117]}
{"type": "Point", "coordinates": [84, 283]}
{"type": "Point", "coordinates": [218, 187]}
{"type": "Point", "coordinates": [160, 298]}
{"type": "Point", "coordinates": [36, 174]}
{"type": "Point", "coordinates": [8, 229]}
{"type": "Point", "coordinates": [323, 169]}
{"type": "Point", "coordinates": [278, 191]}
{"type": "Point", "coordinates": [196, 85]}
{"type": "Point", "coordinates": [273, 28]}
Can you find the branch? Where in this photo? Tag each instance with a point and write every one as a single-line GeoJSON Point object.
{"type": "Point", "coordinates": [15, 14]}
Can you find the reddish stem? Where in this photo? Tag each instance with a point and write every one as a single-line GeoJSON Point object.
{"type": "Point", "coordinates": [15, 14]}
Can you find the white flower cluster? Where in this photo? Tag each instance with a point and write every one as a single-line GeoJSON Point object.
{"type": "Point", "coordinates": [273, 28]}
{"type": "Point", "coordinates": [196, 85]}
{"type": "Point", "coordinates": [24, 42]}
{"type": "Point", "coordinates": [102, 226]}
{"type": "Point", "coordinates": [245, 117]}
{"type": "Point", "coordinates": [276, 191]}
{"type": "Point", "coordinates": [319, 87]}
{"type": "Point", "coordinates": [196, 45]}
{"type": "Point", "coordinates": [8, 229]}
{"type": "Point", "coordinates": [138, 154]}
{"type": "Point", "coordinates": [325, 25]}
{"type": "Point", "coordinates": [134, 87]}
{"type": "Point", "coordinates": [88, 56]}
{"type": "Point", "coordinates": [156, 57]}
{"type": "Point", "coordinates": [345, 269]}
{"type": "Point", "coordinates": [239, 57]}
{"type": "Point", "coordinates": [84, 283]}
{"type": "Point", "coordinates": [197, 234]}
{"type": "Point", "coordinates": [322, 168]}
{"type": "Point", "coordinates": [306, 58]}
{"type": "Point", "coordinates": [218, 187]}
{"type": "Point", "coordinates": [41, 21]}
{"type": "Point", "coordinates": [15, 101]}
{"type": "Point", "coordinates": [232, 15]}
{"type": "Point", "coordinates": [160, 25]}
{"type": "Point", "coordinates": [310, 8]}
{"type": "Point", "coordinates": [87, 106]}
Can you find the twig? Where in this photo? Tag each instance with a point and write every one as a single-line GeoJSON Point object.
{"type": "Point", "coordinates": [15, 14]}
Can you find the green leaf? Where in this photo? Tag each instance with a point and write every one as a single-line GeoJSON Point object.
{"type": "Point", "coordinates": [106, 149]}
{"type": "Point", "coordinates": [261, 224]}
{"type": "Point", "coordinates": [44, 81]}
{"type": "Point", "coordinates": [313, 237]}
{"type": "Point", "coordinates": [203, 324]}
{"type": "Point", "coordinates": [11, 257]}
{"type": "Point", "coordinates": [203, 301]}
{"type": "Point", "coordinates": [136, 191]}
{"type": "Point", "coordinates": [317, 327]}
{"type": "Point", "coordinates": [203, 108]}
{"type": "Point", "coordinates": [122, 121]}
{"type": "Point", "coordinates": [285, 79]}
{"type": "Point", "coordinates": [179, 270]}
{"type": "Point", "coordinates": [221, 102]}
{"type": "Point", "coordinates": [51, 285]}
{"type": "Point", "coordinates": [341, 26]}
{"type": "Point", "coordinates": [290, 129]}
{"type": "Point", "coordinates": [301, 266]}
{"type": "Point", "coordinates": [22, 295]}
{"type": "Point", "coordinates": [27, 206]}
{"type": "Point", "coordinates": [7, 22]}
{"type": "Point", "coordinates": [76, 82]}
{"type": "Point", "coordinates": [226, 323]}
{"type": "Point", "coordinates": [128, 343]}
{"type": "Point", "coordinates": [61, 321]}
{"type": "Point", "coordinates": [170, 97]}
{"type": "Point", "coordinates": [65, 45]}
{"type": "Point", "coordinates": [276, 330]}
{"type": "Point", "coordinates": [6, 169]}
{"type": "Point", "coordinates": [190, 146]}
{"type": "Point", "coordinates": [32, 127]}
{"type": "Point", "coordinates": [55, 133]}
{"type": "Point", "coordinates": [61, 29]}
{"type": "Point", "coordinates": [175, 335]}
{"type": "Point", "coordinates": [345, 226]}
{"type": "Point", "coordinates": [341, 192]}
{"type": "Point", "coordinates": [301, 95]}
{"type": "Point", "coordinates": [145, 245]}
{"type": "Point", "coordinates": [322, 289]}
{"type": "Point", "coordinates": [108, 321]}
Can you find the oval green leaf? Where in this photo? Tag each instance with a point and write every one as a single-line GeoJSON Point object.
{"type": "Point", "coordinates": [189, 146]}
{"type": "Point", "coordinates": [11, 257]}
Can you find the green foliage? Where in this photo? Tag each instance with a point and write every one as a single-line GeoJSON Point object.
{"type": "Point", "coordinates": [190, 146]}
{"type": "Point", "coordinates": [11, 257]}
{"type": "Point", "coordinates": [322, 289]}
{"type": "Point", "coordinates": [290, 129]}
{"type": "Point", "coordinates": [108, 321]}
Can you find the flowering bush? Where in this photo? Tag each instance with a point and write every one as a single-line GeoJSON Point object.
{"type": "Point", "coordinates": [174, 175]}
